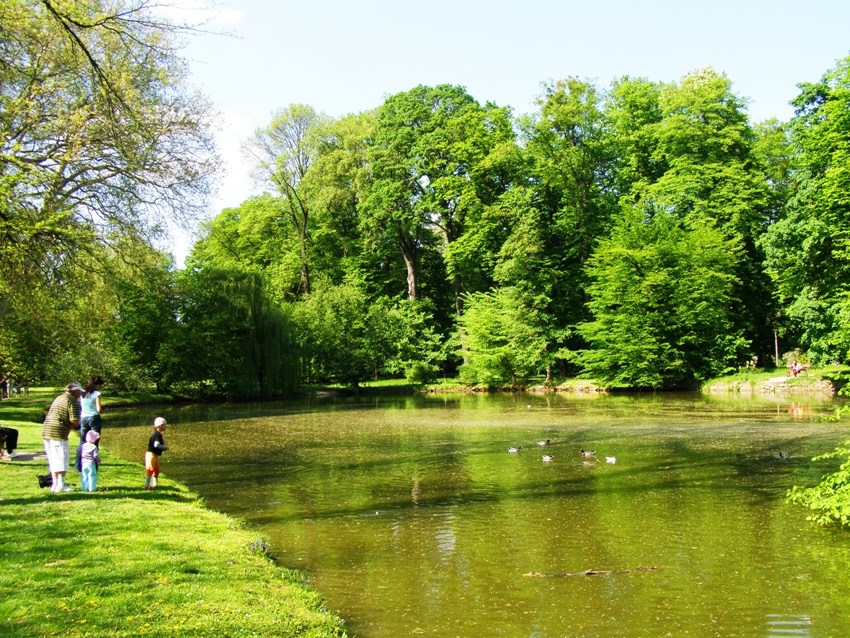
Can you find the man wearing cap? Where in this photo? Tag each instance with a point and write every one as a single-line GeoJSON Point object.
{"type": "Point", "coordinates": [63, 416]}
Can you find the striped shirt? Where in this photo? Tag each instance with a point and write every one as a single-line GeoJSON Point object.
{"type": "Point", "coordinates": [57, 425]}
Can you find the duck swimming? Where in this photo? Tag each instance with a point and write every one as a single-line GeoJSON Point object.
{"type": "Point", "coordinates": [588, 453]}
{"type": "Point", "coordinates": [544, 443]}
{"type": "Point", "coordinates": [548, 458]}
{"type": "Point", "coordinates": [514, 450]}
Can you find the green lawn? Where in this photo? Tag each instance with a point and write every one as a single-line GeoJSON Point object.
{"type": "Point", "coordinates": [125, 562]}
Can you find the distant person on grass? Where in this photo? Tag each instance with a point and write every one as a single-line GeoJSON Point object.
{"type": "Point", "coordinates": [63, 416]}
{"type": "Point", "coordinates": [90, 461]}
{"type": "Point", "coordinates": [156, 446]}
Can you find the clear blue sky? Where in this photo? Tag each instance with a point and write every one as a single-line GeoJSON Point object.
{"type": "Point", "coordinates": [345, 56]}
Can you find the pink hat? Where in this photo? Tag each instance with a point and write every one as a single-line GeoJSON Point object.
{"type": "Point", "coordinates": [92, 436]}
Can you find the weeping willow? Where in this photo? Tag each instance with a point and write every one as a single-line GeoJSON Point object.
{"type": "Point", "coordinates": [238, 343]}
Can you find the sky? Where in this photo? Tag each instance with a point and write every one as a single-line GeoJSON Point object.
{"type": "Point", "coordinates": [347, 56]}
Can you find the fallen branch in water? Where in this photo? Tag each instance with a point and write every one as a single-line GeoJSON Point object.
{"type": "Point", "coordinates": [592, 572]}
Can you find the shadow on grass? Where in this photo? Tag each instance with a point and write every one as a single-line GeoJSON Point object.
{"type": "Point", "coordinates": [106, 493]}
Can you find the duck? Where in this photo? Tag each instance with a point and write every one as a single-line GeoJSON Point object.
{"type": "Point", "coordinates": [544, 443]}
{"type": "Point", "coordinates": [548, 458]}
{"type": "Point", "coordinates": [588, 453]}
{"type": "Point", "coordinates": [514, 450]}
{"type": "Point", "coordinates": [782, 456]}
{"type": "Point", "coordinates": [610, 459]}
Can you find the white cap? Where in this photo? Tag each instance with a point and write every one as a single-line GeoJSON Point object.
{"type": "Point", "coordinates": [158, 421]}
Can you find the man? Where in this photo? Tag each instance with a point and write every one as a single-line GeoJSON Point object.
{"type": "Point", "coordinates": [63, 416]}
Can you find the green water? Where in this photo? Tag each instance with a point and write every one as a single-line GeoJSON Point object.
{"type": "Point", "coordinates": [411, 517]}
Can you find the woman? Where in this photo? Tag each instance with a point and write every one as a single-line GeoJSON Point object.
{"type": "Point", "coordinates": [90, 408]}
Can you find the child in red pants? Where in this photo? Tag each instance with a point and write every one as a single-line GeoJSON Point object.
{"type": "Point", "coordinates": [156, 446]}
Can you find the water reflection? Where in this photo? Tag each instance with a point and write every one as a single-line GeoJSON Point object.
{"type": "Point", "coordinates": [412, 518]}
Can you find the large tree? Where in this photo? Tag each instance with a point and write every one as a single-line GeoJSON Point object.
{"type": "Point", "coordinates": [436, 162]}
{"type": "Point", "coordinates": [283, 152]}
{"type": "Point", "coordinates": [692, 152]}
{"type": "Point", "coordinates": [662, 302]}
{"type": "Point", "coordinates": [100, 136]}
{"type": "Point", "coordinates": [808, 251]}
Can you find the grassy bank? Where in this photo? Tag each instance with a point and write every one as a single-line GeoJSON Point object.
{"type": "Point", "coordinates": [125, 562]}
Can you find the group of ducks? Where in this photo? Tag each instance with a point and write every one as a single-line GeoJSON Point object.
{"type": "Point", "coordinates": [548, 458]}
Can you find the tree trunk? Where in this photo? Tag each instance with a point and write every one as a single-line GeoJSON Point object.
{"type": "Point", "coordinates": [408, 252]}
{"type": "Point", "coordinates": [458, 289]}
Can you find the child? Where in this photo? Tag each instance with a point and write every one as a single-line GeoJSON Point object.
{"type": "Point", "coordinates": [156, 446]}
{"type": "Point", "coordinates": [89, 462]}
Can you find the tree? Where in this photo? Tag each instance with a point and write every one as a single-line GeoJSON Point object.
{"type": "Point", "coordinates": [229, 338]}
{"type": "Point", "coordinates": [699, 162]}
{"type": "Point", "coordinates": [662, 303]}
{"type": "Point", "coordinates": [283, 152]}
{"type": "Point", "coordinates": [507, 339]}
{"type": "Point", "coordinates": [100, 137]}
{"type": "Point", "coordinates": [342, 336]}
{"type": "Point", "coordinates": [808, 251]}
{"type": "Point", "coordinates": [255, 237]}
{"type": "Point", "coordinates": [336, 185]}
{"type": "Point", "coordinates": [570, 157]}
{"type": "Point", "coordinates": [435, 164]}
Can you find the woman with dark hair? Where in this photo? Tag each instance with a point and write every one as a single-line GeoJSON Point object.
{"type": "Point", "coordinates": [90, 407]}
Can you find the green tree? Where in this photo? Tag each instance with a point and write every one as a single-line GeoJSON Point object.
{"type": "Point", "coordinates": [807, 251]}
{"type": "Point", "coordinates": [254, 236]}
{"type": "Point", "coordinates": [342, 335]}
{"type": "Point", "coordinates": [570, 156]}
{"type": "Point", "coordinates": [507, 339]}
{"type": "Point", "coordinates": [336, 185]}
{"type": "Point", "coordinates": [694, 154]}
{"type": "Point", "coordinates": [101, 137]}
{"type": "Point", "coordinates": [435, 163]}
{"type": "Point", "coordinates": [283, 152]}
{"type": "Point", "coordinates": [662, 303]}
{"type": "Point", "coordinates": [229, 339]}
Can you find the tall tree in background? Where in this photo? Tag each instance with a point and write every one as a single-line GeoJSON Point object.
{"type": "Point", "coordinates": [283, 152]}
{"type": "Point", "coordinates": [808, 251]}
{"type": "Point", "coordinates": [433, 169]}
{"type": "Point", "coordinates": [253, 237]}
{"type": "Point", "coordinates": [571, 161]}
{"type": "Point", "coordinates": [714, 176]}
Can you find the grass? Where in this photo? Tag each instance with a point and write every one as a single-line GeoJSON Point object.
{"type": "Point", "coordinates": [125, 562]}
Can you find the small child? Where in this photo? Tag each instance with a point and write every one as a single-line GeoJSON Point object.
{"type": "Point", "coordinates": [89, 462]}
{"type": "Point", "coordinates": [156, 446]}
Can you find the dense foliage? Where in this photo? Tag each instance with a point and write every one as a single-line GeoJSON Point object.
{"type": "Point", "coordinates": [101, 143]}
{"type": "Point", "coordinates": [646, 234]}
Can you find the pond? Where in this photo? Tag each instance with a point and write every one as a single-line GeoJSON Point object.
{"type": "Point", "coordinates": [411, 517]}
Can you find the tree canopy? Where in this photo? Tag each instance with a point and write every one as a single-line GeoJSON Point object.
{"type": "Point", "coordinates": [647, 234]}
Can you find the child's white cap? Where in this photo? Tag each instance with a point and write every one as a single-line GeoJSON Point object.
{"type": "Point", "coordinates": [159, 421]}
